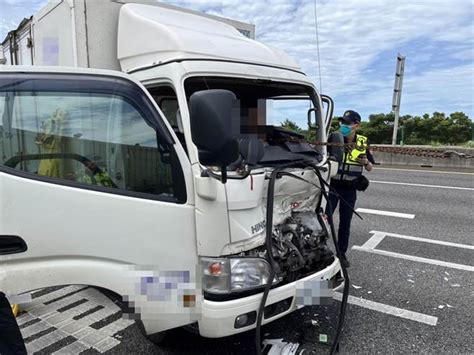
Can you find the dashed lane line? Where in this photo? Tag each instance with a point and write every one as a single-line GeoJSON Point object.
{"type": "Point", "coordinates": [385, 213]}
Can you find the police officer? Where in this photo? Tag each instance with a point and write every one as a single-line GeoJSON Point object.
{"type": "Point", "coordinates": [93, 173]}
{"type": "Point", "coordinates": [11, 341]}
{"type": "Point", "coordinates": [349, 178]}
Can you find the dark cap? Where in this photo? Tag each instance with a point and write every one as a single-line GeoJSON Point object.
{"type": "Point", "coordinates": [351, 117]}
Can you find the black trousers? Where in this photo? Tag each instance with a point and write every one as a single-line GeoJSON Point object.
{"type": "Point", "coordinates": [11, 341]}
{"type": "Point", "coordinates": [349, 194]}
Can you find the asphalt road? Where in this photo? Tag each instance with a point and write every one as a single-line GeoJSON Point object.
{"type": "Point", "coordinates": [400, 303]}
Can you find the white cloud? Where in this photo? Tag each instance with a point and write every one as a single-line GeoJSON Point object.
{"type": "Point", "coordinates": [358, 43]}
{"type": "Point", "coordinates": [354, 34]}
{"type": "Point", "coordinates": [13, 11]}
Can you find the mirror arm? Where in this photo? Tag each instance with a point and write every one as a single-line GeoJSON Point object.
{"type": "Point", "coordinates": [223, 174]}
{"type": "Point", "coordinates": [222, 178]}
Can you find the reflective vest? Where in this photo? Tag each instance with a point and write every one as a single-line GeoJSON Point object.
{"type": "Point", "coordinates": [100, 178]}
{"type": "Point", "coordinates": [350, 169]}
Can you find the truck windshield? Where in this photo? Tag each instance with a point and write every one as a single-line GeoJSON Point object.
{"type": "Point", "coordinates": [270, 111]}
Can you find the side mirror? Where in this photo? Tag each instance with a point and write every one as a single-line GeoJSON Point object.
{"type": "Point", "coordinates": [336, 152]}
{"type": "Point", "coordinates": [312, 114]}
{"type": "Point", "coordinates": [212, 113]}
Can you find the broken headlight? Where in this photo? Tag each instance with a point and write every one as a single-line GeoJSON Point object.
{"type": "Point", "coordinates": [226, 275]}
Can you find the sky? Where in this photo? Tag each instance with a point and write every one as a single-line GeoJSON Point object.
{"type": "Point", "coordinates": [358, 42]}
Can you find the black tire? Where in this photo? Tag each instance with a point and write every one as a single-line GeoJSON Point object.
{"type": "Point", "coordinates": [157, 338]}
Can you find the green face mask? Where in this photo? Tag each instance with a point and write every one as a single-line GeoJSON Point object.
{"type": "Point", "coordinates": [345, 130]}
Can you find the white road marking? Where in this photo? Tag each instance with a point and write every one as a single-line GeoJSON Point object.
{"type": "Point", "coordinates": [45, 341]}
{"type": "Point", "coordinates": [394, 311]}
{"type": "Point", "coordinates": [374, 240]}
{"type": "Point", "coordinates": [425, 240]}
{"type": "Point", "coordinates": [86, 337]}
{"type": "Point", "coordinates": [386, 213]}
{"type": "Point", "coordinates": [73, 348]}
{"type": "Point", "coordinates": [416, 258]}
{"type": "Point", "coordinates": [24, 318]}
{"type": "Point", "coordinates": [369, 247]}
{"type": "Point", "coordinates": [423, 185]}
{"type": "Point", "coordinates": [427, 171]}
{"type": "Point", "coordinates": [39, 301]}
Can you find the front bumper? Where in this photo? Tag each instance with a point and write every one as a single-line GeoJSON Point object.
{"type": "Point", "coordinates": [218, 318]}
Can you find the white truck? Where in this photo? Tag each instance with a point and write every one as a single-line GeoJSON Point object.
{"type": "Point", "coordinates": [162, 174]}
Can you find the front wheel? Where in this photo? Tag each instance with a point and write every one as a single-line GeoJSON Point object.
{"type": "Point", "coordinates": [157, 338]}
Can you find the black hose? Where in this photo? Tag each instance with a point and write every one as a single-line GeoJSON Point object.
{"type": "Point", "coordinates": [345, 295]}
{"type": "Point", "coordinates": [277, 172]}
{"type": "Point", "coordinates": [268, 244]}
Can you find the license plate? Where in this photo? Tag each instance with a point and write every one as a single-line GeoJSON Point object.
{"type": "Point", "coordinates": [314, 292]}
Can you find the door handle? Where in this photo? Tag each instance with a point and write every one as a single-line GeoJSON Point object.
{"type": "Point", "coordinates": [12, 244]}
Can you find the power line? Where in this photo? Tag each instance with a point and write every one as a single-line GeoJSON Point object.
{"type": "Point", "coordinates": [317, 45]}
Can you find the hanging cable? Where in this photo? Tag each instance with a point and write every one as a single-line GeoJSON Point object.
{"type": "Point", "coordinates": [317, 45]}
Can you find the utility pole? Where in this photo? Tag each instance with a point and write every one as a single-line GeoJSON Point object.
{"type": "Point", "coordinates": [397, 94]}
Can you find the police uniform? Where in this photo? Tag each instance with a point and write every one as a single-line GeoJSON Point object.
{"type": "Point", "coordinates": [344, 183]}
{"type": "Point", "coordinates": [100, 178]}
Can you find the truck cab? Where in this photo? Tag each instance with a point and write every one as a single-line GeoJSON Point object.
{"type": "Point", "coordinates": [155, 181]}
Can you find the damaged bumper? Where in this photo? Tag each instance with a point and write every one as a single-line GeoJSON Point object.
{"type": "Point", "coordinates": [219, 319]}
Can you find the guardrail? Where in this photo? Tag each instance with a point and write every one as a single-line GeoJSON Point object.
{"type": "Point", "coordinates": [454, 159]}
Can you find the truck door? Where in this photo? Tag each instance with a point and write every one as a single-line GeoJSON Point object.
{"type": "Point", "coordinates": [93, 184]}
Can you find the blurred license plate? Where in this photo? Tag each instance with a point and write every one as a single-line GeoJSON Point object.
{"type": "Point", "coordinates": [314, 292]}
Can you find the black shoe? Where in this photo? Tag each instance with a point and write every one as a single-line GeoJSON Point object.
{"type": "Point", "coordinates": [344, 261]}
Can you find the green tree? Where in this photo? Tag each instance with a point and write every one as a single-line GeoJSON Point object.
{"type": "Point", "coordinates": [459, 129]}
{"type": "Point", "coordinates": [291, 125]}
{"type": "Point", "coordinates": [437, 128]}
{"type": "Point", "coordinates": [379, 128]}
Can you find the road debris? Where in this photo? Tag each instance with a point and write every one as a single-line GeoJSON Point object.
{"type": "Point", "coordinates": [280, 347]}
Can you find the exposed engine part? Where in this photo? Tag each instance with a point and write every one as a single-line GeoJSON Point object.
{"type": "Point", "coordinates": [299, 247]}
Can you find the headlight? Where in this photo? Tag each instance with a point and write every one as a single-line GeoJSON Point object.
{"type": "Point", "coordinates": [226, 275]}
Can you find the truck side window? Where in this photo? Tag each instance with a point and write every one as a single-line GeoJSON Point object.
{"type": "Point", "coordinates": [97, 133]}
{"type": "Point", "coordinates": [166, 98]}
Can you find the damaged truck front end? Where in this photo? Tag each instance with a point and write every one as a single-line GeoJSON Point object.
{"type": "Point", "coordinates": [278, 239]}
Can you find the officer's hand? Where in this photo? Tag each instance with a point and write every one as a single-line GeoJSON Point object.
{"type": "Point", "coordinates": [363, 161]}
